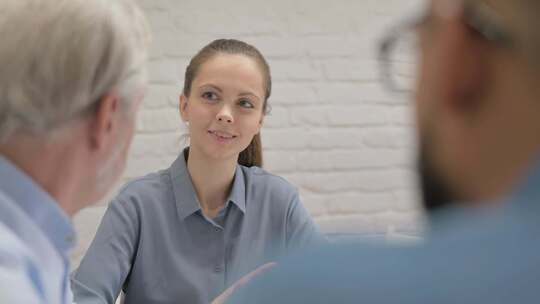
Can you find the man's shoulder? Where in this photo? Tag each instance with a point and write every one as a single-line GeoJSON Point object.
{"type": "Point", "coordinates": [327, 274]}
{"type": "Point", "coordinates": [19, 270]}
{"type": "Point", "coordinates": [11, 245]}
{"type": "Point", "coordinates": [16, 266]}
{"type": "Point", "coordinates": [12, 249]}
{"type": "Point", "coordinates": [16, 287]}
{"type": "Point", "coordinates": [499, 250]}
{"type": "Point", "coordinates": [14, 252]}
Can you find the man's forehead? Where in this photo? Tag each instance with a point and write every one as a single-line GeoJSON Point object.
{"type": "Point", "coordinates": [506, 10]}
{"type": "Point", "coordinates": [446, 8]}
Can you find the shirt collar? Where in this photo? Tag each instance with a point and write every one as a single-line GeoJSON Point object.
{"type": "Point", "coordinates": [184, 191]}
{"type": "Point", "coordinates": [238, 191]}
{"type": "Point", "coordinates": [38, 205]}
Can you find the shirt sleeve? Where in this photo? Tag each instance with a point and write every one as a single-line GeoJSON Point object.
{"type": "Point", "coordinates": [301, 231]}
{"type": "Point", "coordinates": [108, 261]}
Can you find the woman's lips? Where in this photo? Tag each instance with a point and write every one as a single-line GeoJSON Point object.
{"type": "Point", "coordinates": [222, 136]}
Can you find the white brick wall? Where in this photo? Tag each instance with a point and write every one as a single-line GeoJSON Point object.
{"type": "Point", "coordinates": [334, 132]}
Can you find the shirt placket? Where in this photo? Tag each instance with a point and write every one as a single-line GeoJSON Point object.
{"type": "Point", "coordinates": [219, 268]}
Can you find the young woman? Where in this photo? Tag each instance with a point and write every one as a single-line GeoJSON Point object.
{"type": "Point", "coordinates": [185, 234]}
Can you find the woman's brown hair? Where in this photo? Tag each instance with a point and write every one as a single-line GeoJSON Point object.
{"type": "Point", "coordinates": [252, 155]}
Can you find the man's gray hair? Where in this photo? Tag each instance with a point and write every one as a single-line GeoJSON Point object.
{"type": "Point", "coordinates": [59, 57]}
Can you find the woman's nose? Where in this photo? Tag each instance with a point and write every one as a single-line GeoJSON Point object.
{"type": "Point", "coordinates": [225, 115]}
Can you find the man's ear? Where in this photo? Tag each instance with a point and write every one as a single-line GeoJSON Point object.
{"type": "Point", "coordinates": [183, 108]}
{"type": "Point", "coordinates": [465, 66]}
{"type": "Point", "coordinates": [104, 120]}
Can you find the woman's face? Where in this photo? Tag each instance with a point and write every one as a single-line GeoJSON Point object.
{"type": "Point", "coordinates": [225, 107]}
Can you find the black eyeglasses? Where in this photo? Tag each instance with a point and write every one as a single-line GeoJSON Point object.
{"type": "Point", "coordinates": [398, 50]}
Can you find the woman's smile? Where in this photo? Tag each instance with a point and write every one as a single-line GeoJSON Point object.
{"type": "Point", "coordinates": [222, 136]}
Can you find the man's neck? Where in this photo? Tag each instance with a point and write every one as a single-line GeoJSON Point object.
{"type": "Point", "coordinates": [48, 166]}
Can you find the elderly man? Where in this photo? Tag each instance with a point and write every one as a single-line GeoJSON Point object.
{"type": "Point", "coordinates": [478, 117]}
{"type": "Point", "coordinates": [72, 76]}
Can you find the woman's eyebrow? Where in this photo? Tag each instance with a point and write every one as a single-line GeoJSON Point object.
{"type": "Point", "coordinates": [211, 86]}
{"type": "Point", "coordinates": [249, 94]}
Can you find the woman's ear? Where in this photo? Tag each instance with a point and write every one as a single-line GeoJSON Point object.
{"type": "Point", "coordinates": [266, 111]}
{"type": "Point", "coordinates": [261, 123]}
{"type": "Point", "coordinates": [183, 108]}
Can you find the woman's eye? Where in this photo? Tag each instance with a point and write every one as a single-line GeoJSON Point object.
{"type": "Point", "coordinates": [246, 104]}
{"type": "Point", "coordinates": [210, 96]}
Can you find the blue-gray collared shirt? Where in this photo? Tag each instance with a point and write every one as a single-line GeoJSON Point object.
{"type": "Point", "coordinates": [156, 245]}
{"type": "Point", "coordinates": [36, 237]}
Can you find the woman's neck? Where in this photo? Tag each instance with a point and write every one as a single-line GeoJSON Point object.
{"type": "Point", "coordinates": [212, 180]}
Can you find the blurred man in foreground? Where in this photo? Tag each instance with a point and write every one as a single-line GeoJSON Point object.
{"type": "Point", "coordinates": [72, 76]}
{"type": "Point", "coordinates": [478, 117]}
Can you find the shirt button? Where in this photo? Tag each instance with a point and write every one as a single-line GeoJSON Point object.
{"type": "Point", "coordinates": [218, 269]}
{"type": "Point", "coordinates": [217, 229]}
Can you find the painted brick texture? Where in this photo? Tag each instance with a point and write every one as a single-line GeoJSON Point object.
{"type": "Point", "coordinates": [334, 132]}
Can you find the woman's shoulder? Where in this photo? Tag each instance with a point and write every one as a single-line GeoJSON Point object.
{"type": "Point", "coordinates": [145, 188]}
{"type": "Point", "coordinates": [262, 181]}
